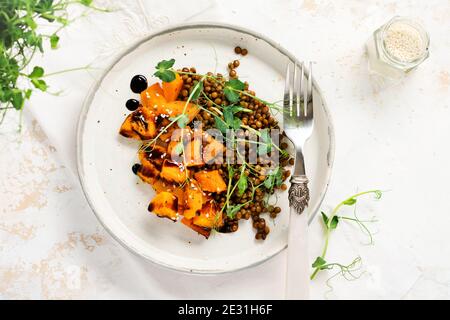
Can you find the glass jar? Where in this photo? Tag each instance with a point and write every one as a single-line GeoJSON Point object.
{"type": "Point", "coordinates": [397, 47]}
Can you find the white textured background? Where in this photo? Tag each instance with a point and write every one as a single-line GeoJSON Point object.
{"type": "Point", "coordinates": [51, 245]}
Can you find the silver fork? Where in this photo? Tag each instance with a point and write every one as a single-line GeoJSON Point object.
{"type": "Point", "coordinates": [298, 127]}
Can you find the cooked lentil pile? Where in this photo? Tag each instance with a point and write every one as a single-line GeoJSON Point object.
{"type": "Point", "coordinates": [249, 185]}
{"type": "Point", "coordinates": [259, 118]}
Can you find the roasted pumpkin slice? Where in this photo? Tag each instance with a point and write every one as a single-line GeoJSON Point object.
{"type": "Point", "coordinates": [203, 231]}
{"type": "Point", "coordinates": [193, 153]}
{"type": "Point", "coordinates": [172, 172]}
{"type": "Point", "coordinates": [167, 135]}
{"type": "Point", "coordinates": [210, 181]}
{"type": "Point", "coordinates": [213, 151]}
{"type": "Point", "coordinates": [175, 108]}
{"type": "Point", "coordinates": [139, 125]}
{"type": "Point", "coordinates": [153, 97]}
{"type": "Point", "coordinates": [126, 129]}
{"type": "Point", "coordinates": [209, 217]}
{"type": "Point", "coordinates": [193, 199]}
{"type": "Point", "coordinates": [172, 89]}
{"type": "Point", "coordinates": [160, 185]}
{"type": "Point", "coordinates": [148, 172]}
{"type": "Point", "coordinates": [164, 205]}
{"type": "Point", "coordinates": [172, 150]}
{"type": "Point", "coordinates": [155, 154]}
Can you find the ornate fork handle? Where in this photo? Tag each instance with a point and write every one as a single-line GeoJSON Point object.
{"type": "Point", "coordinates": [299, 193]}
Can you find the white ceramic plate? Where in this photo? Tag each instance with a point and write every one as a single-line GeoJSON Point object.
{"type": "Point", "coordinates": [120, 200]}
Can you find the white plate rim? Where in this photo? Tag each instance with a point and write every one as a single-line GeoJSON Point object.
{"type": "Point", "coordinates": [179, 27]}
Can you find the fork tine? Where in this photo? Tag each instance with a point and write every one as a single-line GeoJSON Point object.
{"type": "Point", "coordinates": [310, 90]}
{"type": "Point", "coordinates": [287, 93]}
{"type": "Point", "coordinates": [305, 92]}
{"type": "Point", "coordinates": [296, 93]}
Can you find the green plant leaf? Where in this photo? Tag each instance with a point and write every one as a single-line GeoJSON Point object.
{"type": "Point", "coordinates": [236, 123]}
{"type": "Point", "coordinates": [266, 141]}
{"type": "Point", "coordinates": [349, 202]}
{"type": "Point", "coordinates": [232, 210]}
{"type": "Point", "coordinates": [325, 219]}
{"type": "Point", "coordinates": [39, 84]}
{"type": "Point", "coordinates": [228, 115]}
{"type": "Point", "coordinates": [242, 182]}
{"type": "Point", "coordinates": [17, 100]}
{"type": "Point", "coordinates": [197, 91]}
{"type": "Point", "coordinates": [166, 75]}
{"type": "Point", "coordinates": [54, 40]}
{"type": "Point", "coordinates": [165, 64]}
{"type": "Point", "coordinates": [231, 95]}
{"type": "Point", "coordinates": [230, 172]}
{"type": "Point", "coordinates": [274, 178]}
{"type": "Point", "coordinates": [230, 90]}
{"type": "Point", "coordinates": [86, 2]}
{"type": "Point", "coordinates": [378, 194]}
{"type": "Point", "coordinates": [183, 120]}
{"type": "Point", "coordinates": [163, 72]}
{"type": "Point", "coordinates": [334, 222]}
{"type": "Point", "coordinates": [237, 109]}
{"type": "Point", "coordinates": [30, 22]}
{"type": "Point", "coordinates": [37, 72]}
{"type": "Point", "coordinates": [220, 124]}
{"type": "Point", "coordinates": [235, 84]}
{"type": "Point", "coordinates": [28, 93]}
{"type": "Point", "coordinates": [319, 262]}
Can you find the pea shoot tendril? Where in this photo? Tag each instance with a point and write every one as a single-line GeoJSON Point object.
{"type": "Point", "coordinates": [330, 223]}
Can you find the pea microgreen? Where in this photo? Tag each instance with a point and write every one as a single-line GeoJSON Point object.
{"type": "Point", "coordinates": [197, 91]}
{"type": "Point", "coordinates": [330, 223]}
{"type": "Point", "coordinates": [20, 39]}
{"type": "Point", "coordinates": [182, 120]}
{"type": "Point", "coordinates": [242, 182]}
{"type": "Point", "coordinates": [220, 124]}
{"type": "Point", "coordinates": [164, 72]}
{"type": "Point", "coordinates": [266, 146]}
{"type": "Point", "coordinates": [230, 89]}
{"type": "Point", "coordinates": [274, 178]}
{"type": "Point", "coordinates": [231, 120]}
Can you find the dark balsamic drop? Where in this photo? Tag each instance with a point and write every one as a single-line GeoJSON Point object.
{"type": "Point", "coordinates": [136, 168]}
{"type": "Point", "coordinates": [138, 83]}
{"type": "Point", "coordinates": [132, 104]}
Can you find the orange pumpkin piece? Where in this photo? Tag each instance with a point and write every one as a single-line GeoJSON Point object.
{"type": "Point", "coordinates": [193, 199]}
{"type": "Point", "coordinates": [172, 89]}
{"type": "Point", "coordinates": [175, 108]}
{"type": "Point", "coordinates": [164, 205]}
{"type": "Point", "coordinates": [204, 232]}
{"type": "Point", "coordinates": [148, 172]}
{"type": "Point", "coordinates": [139, 125]}
{"type": "Point", "coordinates": [209, 217]}
{"type": "Point", "coordinates": [172, 172]}
{"type": "Point", "coordinates": [153, 97]}
{"type": "Point", "coordinates": [193, 153]}
{"type": "Point", "coordinates": [214, 150]}
{"type": "Point", "coordinates": [126, 129]}
{"type": "Point", "coordinates": [155, 154]}
{"type": "Point", "coordinates": [167, 136]}
{"type": "Point", "coordinates": [160, 185]}
{"type": "Point", "coordinates": [150, 168]}
{"type": "Point", "coordinates": [173, 155]}
{"type": "Point", "coordinates": [210, 181]}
